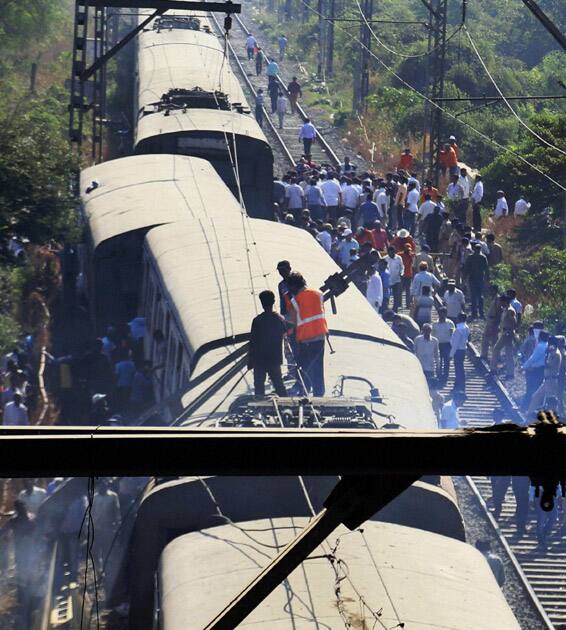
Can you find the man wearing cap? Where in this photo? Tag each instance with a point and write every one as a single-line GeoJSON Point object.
{"type": "Point", "coordinates": [454, 146]}
{"type": "Point", "coordinates": [501, 207]}
{"type": "Point", "coordinates": [506, 339]}
{"type": "Point", "coordinates": [401, 239]}
{"type": "Point", "coordinates": [549, 387]}
{"type": "Point", "coordinates": [310, 332]}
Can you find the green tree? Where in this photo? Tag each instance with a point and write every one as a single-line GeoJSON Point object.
{"type": "Point", "coordinates": [509, 173]}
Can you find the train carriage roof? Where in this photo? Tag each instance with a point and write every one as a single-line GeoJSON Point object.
{"type": "Point", "coordinates": [141, 191]}
{"type": "Point", "coordinates": [183, 59]}
{"type": "Point", "coordinates": [407, 576]}
{"type": "Point", "coordinates": [203, 121]}
{"type": "Point", "coordinates": [212, 273]}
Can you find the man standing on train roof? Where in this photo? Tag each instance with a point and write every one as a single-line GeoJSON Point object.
{"type": "Point", "coordinates": [251, 44]}
{"type": "Point", "coordinates": [284, 270]}
{"type": "Point", "coordinates": [265, 354]}
{"type": "Point", "coordinates": [310, 332]}
{"type": "Point", "coordinates": [307, 134]}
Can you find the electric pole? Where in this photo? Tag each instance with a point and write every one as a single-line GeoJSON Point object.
{"type": "Point", "coordinates": [433, 131]}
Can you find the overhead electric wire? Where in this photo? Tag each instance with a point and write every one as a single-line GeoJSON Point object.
{"type": "Point", "coordinates": [442, 109]}
{"type": "Point", "coordinates": [400, 54]}
{"type": "Point", "coordinates": [510, 107]}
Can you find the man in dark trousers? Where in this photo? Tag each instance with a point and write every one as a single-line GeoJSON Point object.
{"type": "Point", "coordinates": [476, 271]}
{"type": "Point", "coordinates": [265, 355]}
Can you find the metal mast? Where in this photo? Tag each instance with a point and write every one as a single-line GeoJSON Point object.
{"type": "Point", "coordinates": [435, 87]}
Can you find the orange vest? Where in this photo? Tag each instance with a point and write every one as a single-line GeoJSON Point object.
{"type": "Point", "coordinates": [309, 309]}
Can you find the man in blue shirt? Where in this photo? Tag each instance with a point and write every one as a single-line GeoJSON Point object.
{"type": "Point", "coordinates": [369, 212]}
{"type": "Point", "coordinates": [534, 369]}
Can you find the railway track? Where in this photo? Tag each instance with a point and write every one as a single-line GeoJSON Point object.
{"type": "Point", "coordinates": [285, 143]}
{"type": "Point", "coordinates": [542, 572]}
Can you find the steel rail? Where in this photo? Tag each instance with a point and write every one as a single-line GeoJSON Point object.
{"type": "Point", "coordinates": [251, 88]}
{"type": "Point", "coordinates": [320, 138]}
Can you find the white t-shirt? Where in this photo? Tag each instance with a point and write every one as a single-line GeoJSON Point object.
{"type": "Point", "coordinates": [294, 193]}
{"type": "Point", "coordinates": [374, 291]}
{"type": "Point", "coordinates": [351, 197]}
{"type": "Point", "coordinates": [521, 207]}
{"type": "Point", "coordinates": [427, 207]}
{"type": "Point", "coordinates": [477, 194]}
{"type": "Point", "coordinates": [501, 208]}
{"type": "Point", "coordinates": [330, 190]}
{"type": "Point", "coordinates": [413, 200]}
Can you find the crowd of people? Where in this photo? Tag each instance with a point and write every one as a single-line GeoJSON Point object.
{"type": "Point", "coordinates": [429, 246]}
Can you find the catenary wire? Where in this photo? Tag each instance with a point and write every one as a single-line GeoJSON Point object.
{"type": "Point", "coordinates": [389, 69]}
{"type": "Point", "coordinates": [403, 55]}
{"type": "Point", "coordinates": [507, 103]}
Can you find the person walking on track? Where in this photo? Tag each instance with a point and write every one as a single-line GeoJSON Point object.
{"type": "Point", "coordinates": [295, 91]}
{"type": "Point", "coordinates": [251, 44]}
{"type": "Point", "coordinates": [259, 103]}
{"type": "Point", "coordinates": [307, 134]}
{"type": "Point", "coordinates": [282, 103]}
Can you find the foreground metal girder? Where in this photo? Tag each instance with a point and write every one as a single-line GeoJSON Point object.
{"type": "Point", "coordinates": [166, 5]}
{"type": "Point", "coordinates": [83, 451]}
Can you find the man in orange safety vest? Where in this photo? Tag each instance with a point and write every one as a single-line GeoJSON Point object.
{"type": "Point", "coordinates": [310, 331]}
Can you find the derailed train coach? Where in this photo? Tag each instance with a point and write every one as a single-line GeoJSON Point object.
{"type": "Point", "coordinates": [189, 102]}
{"type": "Point", "coordinates": [198, 541]}
{"type": "Point", "coordinates": [120, 201]}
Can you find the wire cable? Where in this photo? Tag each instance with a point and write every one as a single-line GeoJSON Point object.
{"type": "Point", "coordinates": [400, 54]}
{"type": "Point", "coordinates": [509, 106]}
{"type": "Point", "coordinates": [482, 135]}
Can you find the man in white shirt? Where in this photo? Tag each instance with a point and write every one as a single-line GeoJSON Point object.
{"type": "Point", "coordinates": [351, 197]}
{"type": "Point", "coordinates": [423, 278]}
{"type": "Point", "coordinates": [411, 208]}
{"type": "Point", "coordinates": [106, 518]}
{"type": "Point", "coordinates": [521, 207]}
{"type": "Point", "coordinates": [459, 346]}
{"type": "Point", "coordinates": [294, 196]}
{"type": "Point", "coordinates": [374, 291]}
{"type": "Point", "coordinates": [32, 496]}
{"type": "Point", "coordinates": [395, 267]}
{"type": "Point", "coordinates": [501, 207]}
{"type": "Point", "coordinates": [449, 417]}
{"type": "Point", "coordinates": [251, 44]}
{"type": "Point", "coordinates": [454, 301]}
{"type": "Point", "coordinates": [324, 237]}
{"type": "Point", "coordinates": [282, 102]}
{"type": "Point", "coordinates": [307, 134]}
{"type": "Point", "coordinates": [381, 198]}
{"type": "Point", "coordinates": [477, 196]}
{"type": "Point", "coordinates": [15, 412]}
{"type": "Point", "coordinates": [426, 208]}
{"type": "Point", "coordinates": [464, 183]}
{"type": "Point", "coordinates": [345, 248]}
{"type": "Point", "coordinates": [442, 330]}
{"type": "Point", "coordinates": [332, 195]}
{"type": "Point", "coordinates": [426, 349]}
